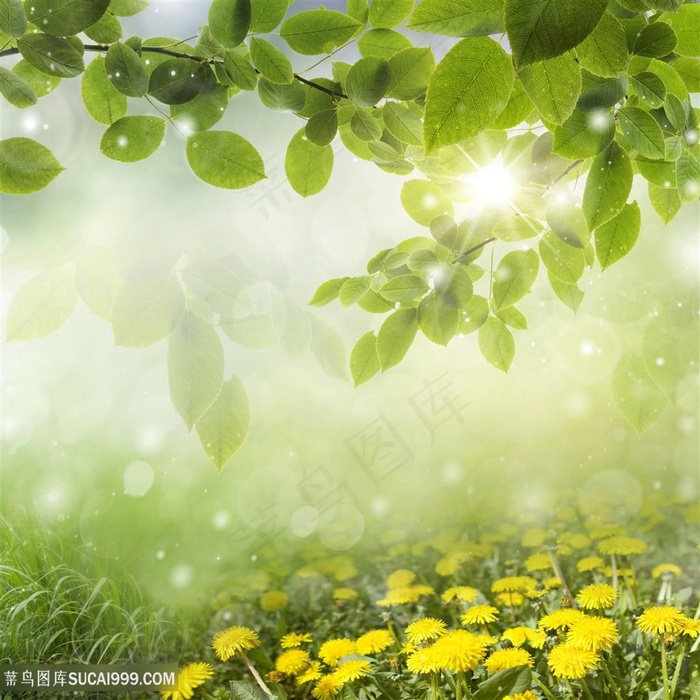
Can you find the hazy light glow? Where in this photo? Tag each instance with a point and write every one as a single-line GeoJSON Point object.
{"type": "Point", "coordinates": [492, 184]}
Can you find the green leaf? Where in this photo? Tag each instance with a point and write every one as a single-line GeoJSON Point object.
{"type": "Point", "coordinates": [40, 83]}
{"type": "Point", "coordinates": [554, 86]}
{"type": "Point", "coordinates": [229, 21]}
{"type": "Point", "coordinates": [468, 90]}
{"type": "Point", "coordinates": [458, 18]}
{"type": "Point", "coordinates": [687, 69]}
{"type": "Point", "coordinates": [404, 288]}
{"type": "Point", "coordinates": [195, 366]}
{"type": "Point", "coordinates": [322, 127]}
{"type": "Point", "coordinates": [453, 285]}
{"type": "Point", "coordinates": [224, 159]}
{"type": "Point", "coordinates": [65, 17]}
{"type": "Point", "coordinates": [567, 222]}
{"type": "Point", "coordinates": [26, 166]}
{"type": "Point", "coordinates": [543, 29]}
{"type": "Point", "coordinates": [308, 166]}
{"type": "Point", "coordinates": [475, 314]}
{"type": "Point", "coordinates": [106, 30]}
{"type": "Point", "coordinates": [51, 55]}
{"type": "Point", "coordinates": [359, 10]}
{"type": "Point", "coordinates": [205, 110]}
{"type": "Point", "coordinates": [385, 14]}
{"type": "Point", "coordinates": [222, 430]}
{"type": "Point", "coordinates": [239, 71]}
{"type": "Point", "coordinates": [127, 8]}
{"type": "Point", "coordinates": [283, 98]}
{"type": "Point", "coordinates": [643, 132]}
{"type": "Point", "coordinates": [496, 343]}
{"type": "Point", "coordinates": [364, 360]}
{"type": "Point", "coordinates": [218, 287]}
{"type": "Point", "coordinates": [177, 80]}
{"type": "Point", "coordinates": [312, 32]}
{"type": "Point", "coordinates": [604, 52]}
{"type": "Point", "coordinates": [685, 25]}
{"type": "Point", "coordinates": [242, 690]}
{"type": "Point", "coordinates": [665, 201]}
{"type": "Point", "coordinates": [364, 125]}
{"type": "Point", "coordinates": [675, 112]}
{"type": "Point", "coordinates": [292, 327]}
{"type": "Point", "coordinates": [13, 21]}
{"type": "Point", "coordinates": [266, 15]}
{"type": "Point", "coordinates": [16, 90]}
{"type": "Point", "coordinates": [514, 277]}
{"type": "Point", "coordinates": [517, 228]}
{"type": "Point", "coordinates": [614, 239]}
{"type": "Point", "coordinates": [98, 280]}
{"type": "Point", "coordinates": [403, 123]}
{"type": "Point", "coordinates": [507, 682]}
{"type": "Point", "coordinates": [688, 177]}
{"type": "Point", "coordinates": [649, 88]}
{"type": "Point", "coordinates": [600, 93]}
{"type": "Point", "coordinates": [655, 40]}
{"type": "Point", "coordinates": [563, 261]}
{"type": "Point", "coordinates": [271, 62]}
{"type": "Point", "coordinates": [104, 103]}
{"type": "Point", "coordinates": [438, 321]}
{"type": "Point", "coordinates": [635, 393]}
{"type": "Point", "coordinates": [133, 138]}
{"type": "Point", "coordinates": [41, 305]}
{"type": "Point", "coordinates": [584, 134]}
{"type": "Point", "coordinates": [668, 74]}
{"type": "Point", "coordinates": [353, 289]}
{"type": "Point", "coordinates": [143, 314]}
{"type": "Point", "coordinates": [512, 317]}
{"type": "Point", "coordinates": [126, 70]}
{"type": "Point", "coordinates": [568, 294]}
{"type": "Point", "coordinates": [411, 70]}
{"type": "Point", "coordinates": [424, 200]}
{"type": "Point", "coordinates": [328, 349]}
{"type": "Point", "coordinates": [608, 185]}
{"type": "Point", "coordinates": [367, 81]}
{"type": "Point", "coordinates": [396, 336]}
{"type": "Point", "coordinates": [252, 331]}
{"type": "Point", "coordinates": [383, 43]}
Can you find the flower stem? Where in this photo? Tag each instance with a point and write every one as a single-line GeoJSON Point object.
{"type": "Point", "coordinates": [544, 689]}
{"type": "Point", "coordinates": [613, 565]}
{"type": "Point", "coordinates": [256, 675]}
{"type": "Point", "coordinates": [677, 672]}
{"type": "Point", "coordinates": [611, 680]}
{"type": "Point", "coordinates": [586, 690]}
{"type": "Point", "coordinates": [664, 670]}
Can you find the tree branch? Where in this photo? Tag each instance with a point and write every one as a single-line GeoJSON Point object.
{"type": "Point", "coordinates": [179, 54]}
{"type": "Point", "coordinates": [473, 249]}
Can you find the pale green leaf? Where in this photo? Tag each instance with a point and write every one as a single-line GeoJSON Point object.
{"type": "Point", "coordinates": [404, 288]}
{"type": "Point", "coordinates": [229, 21]}
{"type": "Point", "coordinates": [127, 8]}
{"type": "Point", "coordinates": [688, 177]}
{"type": "Point", "coordinates": [353, 289]}
{"type": "Point", "coordinates": [308, 166]}
{"type": "Point", "coordinates": [383, 43]}
{"type": "Point", "coordinates": [322, 127]}
{"type": "Point", "coordinates": [685, 24]}
{"type": "Point", "coordinates": [283, 98]}
{"type": "Point", "coordinates": [514, 277]}
{"type": "Point", "coordinates": [649, 88]}
{"type": "Point", "coordinates": [614, 239]}
{"type": "Point", "coordinates": [266, 15]}
{"type": "Point", "coordinates": [205, 110]}
{"type": "Point", "coordinates": [517, 228]}
{"type": "Point", "coordinates": [563, 261]}
{"type": "Point", "coordinates": [458, 17]}
{"type": "Point", "coordinates": [496, 343]}
{"type": "Point", "coordinates": [364, 360]}
{"type": "Point", "coordinates": [567, 222]}
{"type": "Point", "coordinates": [65, 17]}
{"type": "Point", "coordinates": [270, 61]}
{"type": "Point", "coordinates": [131, 139]}
{"type": "Point", "coordinates": [403, 123]}
{"type": "Point", "coordinates": [665, 201]}
{"type": "Point", "coordinates": [106, 30]}
{"type": "Point", "coordinates": [453, 284]}
{"type": "Point", "coordinates": [98, 279]}
{"type": "Point", "coordinates": [411, 70]}
{"type": "Point", "coordinates": [569, 294]}
{"type": "Point", "coordinates": [42, 305]}
{"type": "Point", "coordinates": [328, 348]}
{"type": "Point", "coordinates": [313, 32]}
{"type": "Point", "coordinates": [240, 71]}
{"type": "Point", "coordinates": [608, 185]}
{"type": "Point", "coordinates": [396, 336]}
{"type": "Point", "coordinates": [385, 14]}
{"type": "Point", "coordinates": [437, 321]}
{"type": "Point", "coordinates": [424, 200]}
{"type": "Point", "coordinates": [222, 430]}
{"type": "Point", "coordinates": [584, 134]}
{"type": "Point", "coordinates": [328, 291]}
{"type": "Point", "coordinates": [26, 166]}
{"type": "Point", "coordinates": [475, 314]}
{"type": "Point", "coordinates": [41, 83]}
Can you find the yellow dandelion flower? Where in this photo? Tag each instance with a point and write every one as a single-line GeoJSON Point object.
{"type": "Point", "coordinates": [272, 601]}
{"type": "Point", "coordinates": [295, 639]}
{"type": "Point", "coordinates": [425, 629]}
{"type": "Point", "coordinates": [593, 633]}
{"type": "Point", "coordinates": [312, 673]}
{"type": "Point", "coordinates": [534, 537]}
{"type": "Point", "coordinates": [335, 649]}
{"type": "Point", "coordinates": [538, 562]}
{"type": "Point", "coordinates": [564, 550]}
{"type": "Point", "coordinates": [292, 662]}
{"type": "Point", "coordinates": [520, 584]}
{"type": "Point", "coordinates": [536, 594]}
{"type": "Point", "coordinates": [691, 627]}
{"type": "Point", "coordinates": [479, 615]}
{"type": "Point", "coordinates": [374, 641]}
{"type": "Point", "coordinates": [527, 695]}
{"type": "Point", "coordinates": [597, 596]}
{"type": "Point", "coordinates": [517, 636]}
{"type": "Point", "coordinates": [661, 619]}
{"type": "Point", "coordinates": [459, 651]}
{"type": "Point", "coordinates": [622, 574]}
{"type": "Point", "coordinates": [621, 544]}
{"type": "Point", "coordinates": [501, 659]}
{"type": "Point", "coordinates": [466, 594]}
{"type": "Point", "coordinates": [352, 670]}
{"type": "Point", "coordinates": [401, 578]}
{"type": "Point", "coordinates": [451, 563]}
{"type": "Point", "coordinates": [666, 569]}
{"type": "Point", "coordinates": [570, 662]}
{"type": "Point", "coordinates": [404, 596]}
{"type": "Point", "coordinates": [576, 540]}
{"type": "Point", "coordinates": [423, 661]}
{"type": "Point", "coordinates": [551, 583]}
{"type": "Point", "coordinates": [188, 678]}
{"type": "Point", "coordinates": [326, 688]}
{"type": "Point", "coordinates": [275, 677]}
{"type": "Point", "coordinates": [344, 594]}
{"type": "Point", "coordinates": [232, 640]}
{"type": "Point", "coordinates": [408, 648]}
{"type": "Point", "coordinates": [599, 532]}
{"type": "Point", "coordinates": [560, 619]}
{"type": "Point", "coordinates": [510, 600]}
{"type": "Point", "coordinates": [589, 564]}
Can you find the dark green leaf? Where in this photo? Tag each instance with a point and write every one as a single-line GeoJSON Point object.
{"type": "Point", "coordinates": [65, 17]}
{"type": "Point", "coordinates": [126, 70]}
{"type": "Point", "coordinates": [364, 360]}
{"type": "Point", "coordinates": [271, 62]}
{"type": "Point", "coordinates": [106, 30]}
{"type": "Point", "coordinates": [656, 40]}
{"type": "Point", "coordinates": [13, 21]}
{"type": "Point", "coordinates": [16, 90]}
{"type": "Point", "coordinates": [514, 277]}
{"type": "Point", "coordinates": [367, 81]}
{"type": "Point", "coordinates": [318, 31]}
{"type": "Point", "coordinates": [608, 185]}
{"type": "Point", "coordinates": [308, 166]}
{"type": "Point", "coordinates": [507, 682]}
{"type": "Point", "coordinates": [649, 88]}
{"type": "Point", "coordinates": [224, 159]}
{"type": "Point", "coordinates": [229, 21]}
{"type": "Point", "coordinates": [104, 103]}
{"type": "Point", "coordinates": [396, 336]}
{"type": "Point", "coordinates": [543, 29]}
{"type": "Point", "coordinates": [26, 166]}
{"type": "Point", "coordinates": [468, 90]}
{"type": "Point", "coordinates": [411, 70]}
{"type": "Point", "coordinates": [599, 93]}
{"type": "Point", "coordinates": [643, 132]}
{"type": "Point", "coordinates": [283, 98]}
{"type": "Point", "coordinates": [127, 8]}
{"type": "Point", "coordinates": [133, 138]}
{"type": "Point", "coordinates": [496, 343]}
{"type": "Point", "coordinates": [604, 52]}
{"type": "Point", "coordinates": [177, 80]}
{"type": "Point", "coordinates": [51, 55]}
{"type": "Point", "coordinates": [614, 239]}
{"type": "Point", "coordinates": [205, 110]}
{"type": "Point", "coordinates": [461, 18]}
